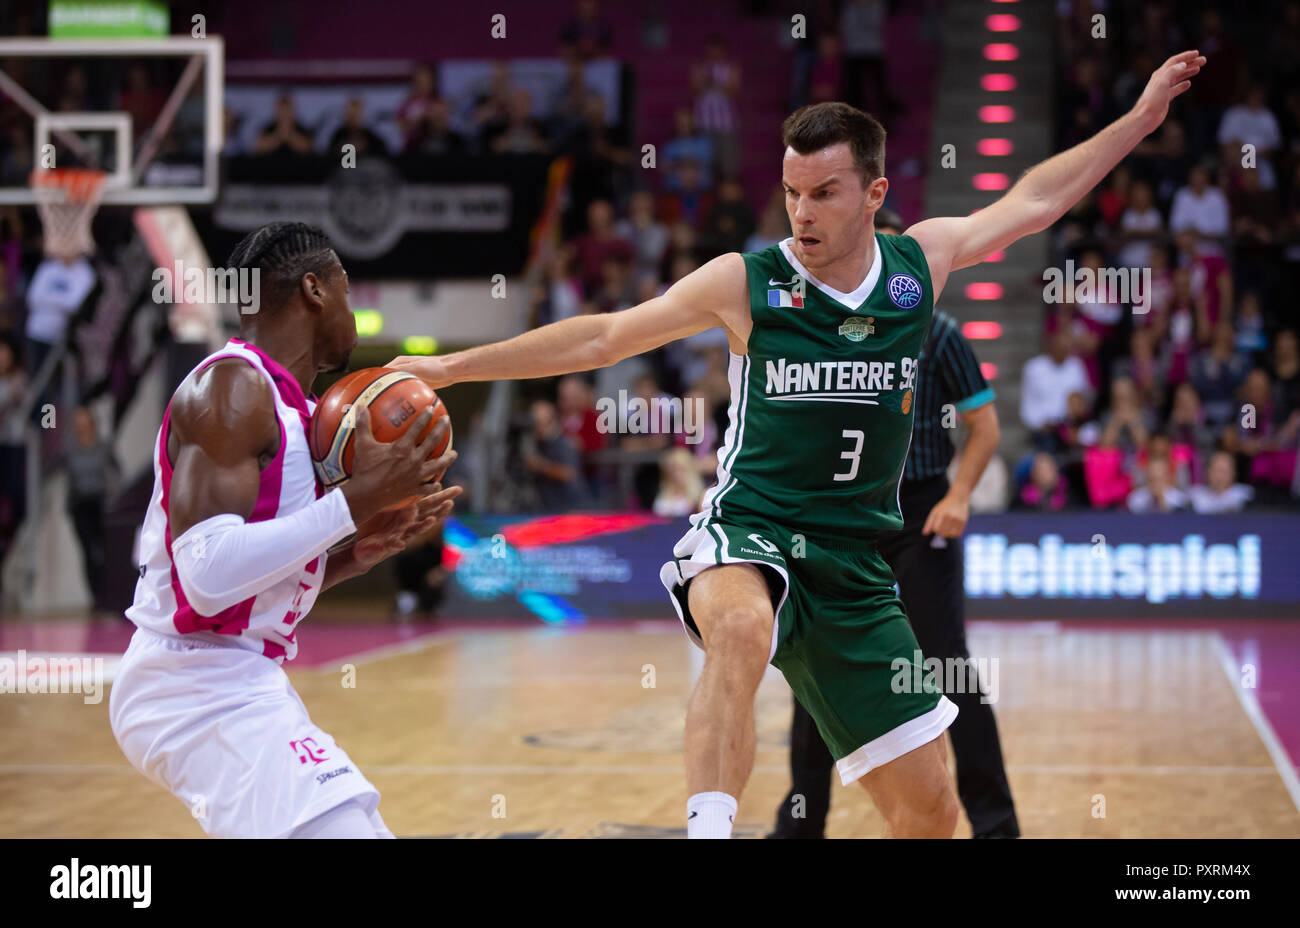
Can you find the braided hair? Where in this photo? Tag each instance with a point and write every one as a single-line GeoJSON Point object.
{"type": "Point", "coordinates": [281, 253]}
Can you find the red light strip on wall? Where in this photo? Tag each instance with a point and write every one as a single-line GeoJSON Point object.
{"type": "Point", "coordinates": [985, 290]}
{"type": "Point", "coordinates": [981, 330]}
{"type": "Point", "coordinates": [993, 148]}
{"type": "Point", "coordinates": [990, 181]}
{"type": "Point", "coordinates": [997, 113]}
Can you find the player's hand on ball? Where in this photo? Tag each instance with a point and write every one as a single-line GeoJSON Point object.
{"type": "Point", "coordinates": [387, 473]}
{"type": "Point", "coordinates": [382, 536]}
{"type": "Point", "coordinates": [432, 510]}
{"type": "Point", "coordinates": [392, 531]}
{"type": "Point", "coordinates": [431, 370]}
{"type": "Point", "coordinates": [439, 465]}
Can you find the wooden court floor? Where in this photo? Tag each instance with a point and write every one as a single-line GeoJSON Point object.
{"type": "Point", "coordinates": [553, 733]}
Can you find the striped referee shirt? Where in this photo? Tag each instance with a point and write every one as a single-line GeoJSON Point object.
{"type": "Point", "coordinates": [949, 374]}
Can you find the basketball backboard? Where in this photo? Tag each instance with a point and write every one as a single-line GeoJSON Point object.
{"type": "Point", "coordinates": [146, 110]}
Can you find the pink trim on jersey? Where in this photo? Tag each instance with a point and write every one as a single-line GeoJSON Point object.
{"type": "Point", "coordinates": [290, 391]}
{"type": "Point", "coordinates": [234, 619]}
{"type": "Point", "coordinates": [286, 383]}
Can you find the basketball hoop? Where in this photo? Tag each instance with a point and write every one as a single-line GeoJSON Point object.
{"type": "Point", "coordinates": [67, 199]}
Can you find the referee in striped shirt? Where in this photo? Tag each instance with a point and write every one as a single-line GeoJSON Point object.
{"type": "Point", "coordinates": [927, 563]}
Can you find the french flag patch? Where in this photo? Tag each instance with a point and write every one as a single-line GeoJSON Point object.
{"type": "Point", "coordinates": [784, 298]}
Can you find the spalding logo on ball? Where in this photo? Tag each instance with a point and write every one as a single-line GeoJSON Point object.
{"type": "Point", "coordinates": [395, 400]}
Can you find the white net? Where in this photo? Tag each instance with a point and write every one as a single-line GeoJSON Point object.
{"type": "Point", "coordinates": [67, 199]}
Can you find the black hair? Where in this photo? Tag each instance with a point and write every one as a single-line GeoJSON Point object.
{"type": "Point", "coordinates": [281, 253]}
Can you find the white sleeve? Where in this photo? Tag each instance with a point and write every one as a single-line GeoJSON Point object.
{"type": "Point", "coordinates": [224, 560]}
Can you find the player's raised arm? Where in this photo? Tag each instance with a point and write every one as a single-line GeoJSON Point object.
{"type": "Point", "coordinates": [709, 296]}
{"type": "Point", "coordinates": [1048, 190]}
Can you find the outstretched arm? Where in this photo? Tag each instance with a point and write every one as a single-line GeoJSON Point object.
{"type": "Point", "coordinates": [1048, 190]}
{"type": "Point", "coordinates": [709, 296]}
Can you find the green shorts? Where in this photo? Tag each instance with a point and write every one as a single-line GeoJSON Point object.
{"type": "Point", "coordinates": [841, 638]}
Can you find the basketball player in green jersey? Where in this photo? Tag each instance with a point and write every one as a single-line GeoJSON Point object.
{"type": "Point", "coordinates": [780, 564]}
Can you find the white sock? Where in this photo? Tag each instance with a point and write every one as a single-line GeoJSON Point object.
{"type": "Point", "coordinates": [710, 815]}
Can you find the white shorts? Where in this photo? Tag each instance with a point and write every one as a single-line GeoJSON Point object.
{"type": "Point", "coordinates": [222, 729]}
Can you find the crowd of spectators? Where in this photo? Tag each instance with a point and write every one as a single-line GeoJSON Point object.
{"type": "Point", "coordinates": [1191, 398]}
{"type": "Point", "coordinates": [629, 249]}
{"type": "Point", "coordinates": [498, 116]}
{"type": "Point", "coordinates": [626, 240]}
{"type": "Point", "coordinates": [623, 241]}
{"type": "Point", "coordinates": [1191, 402]}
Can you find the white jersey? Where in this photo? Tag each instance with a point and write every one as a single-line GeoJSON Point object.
{"type": "Point", "coordinates": [265, 622]}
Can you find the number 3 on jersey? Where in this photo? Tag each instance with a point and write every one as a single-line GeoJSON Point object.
{"type": "Point", "coordinates": [854, 457]}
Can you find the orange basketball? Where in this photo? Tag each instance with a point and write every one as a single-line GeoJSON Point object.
{"type": "Point", "coordinates": [395, 400]}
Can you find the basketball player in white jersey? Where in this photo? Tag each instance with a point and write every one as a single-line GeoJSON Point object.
{"type": "Point", "coordinates": [233, 554]}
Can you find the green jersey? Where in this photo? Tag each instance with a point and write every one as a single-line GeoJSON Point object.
{"type": "Point", "coordinates": [821, 406]}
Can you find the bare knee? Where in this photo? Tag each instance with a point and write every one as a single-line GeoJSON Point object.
{"type": "Point", "coordinates": [915, 794]}
{"type": "Point", "coordinates": [732, 608]}
{"type": "Point", "coordinates": [941, 816]}
{"type": "Point", "coordinates": [740, 635]}
{"type": "Point", "coordinates": [926, 811]}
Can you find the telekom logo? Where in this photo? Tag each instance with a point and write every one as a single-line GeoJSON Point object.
{"type": "Point", "coordinates": [307, 749]}
{"type": "Point", "coordinates": [295, 607]}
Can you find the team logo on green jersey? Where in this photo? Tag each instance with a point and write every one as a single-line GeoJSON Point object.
{"type": "Point", "coordinates": [904, 290]}
{"type": "Point", "coordinates": [855, 330]}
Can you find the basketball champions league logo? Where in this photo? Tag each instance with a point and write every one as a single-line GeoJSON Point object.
{"type": "Point", "coordinates": [904, 291]}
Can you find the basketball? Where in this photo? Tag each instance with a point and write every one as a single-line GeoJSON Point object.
{"type": "Point", "coordinates": [395, 400]}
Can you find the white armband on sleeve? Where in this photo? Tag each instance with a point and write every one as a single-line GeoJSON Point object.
{"type": "Point", "coordinates": [225, 560]}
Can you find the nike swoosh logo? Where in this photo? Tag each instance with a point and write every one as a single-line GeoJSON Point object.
{"type": "Point", "coordinates": [691, 816]}
{"type": "Point", "coordinates": [781, 283]}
